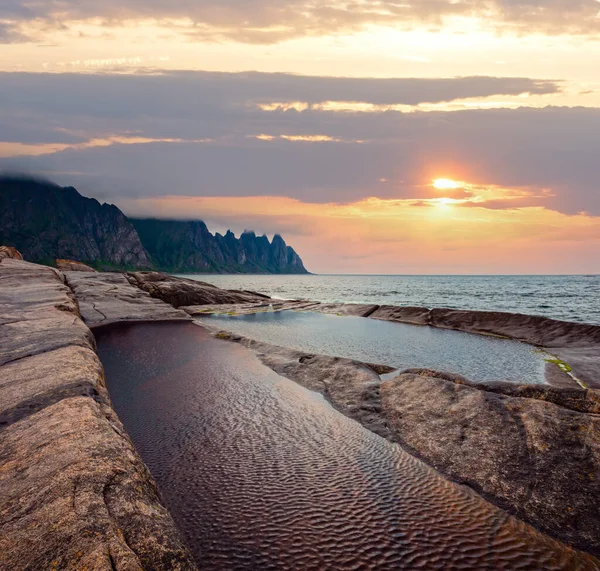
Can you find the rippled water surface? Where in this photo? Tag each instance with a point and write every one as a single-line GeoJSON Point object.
{"type": "Point", "coordinates": [571, 298]}
{"type": "Point", "coordinates": [403, 346]}
{"type": "Point", "coordinates": [260, 473]}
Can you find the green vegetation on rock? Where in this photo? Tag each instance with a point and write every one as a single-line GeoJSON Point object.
{"type": "Point", "coordinates": [45, 221]}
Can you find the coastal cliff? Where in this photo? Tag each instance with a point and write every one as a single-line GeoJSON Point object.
{"type": "Point", "coordinates": [45, 221]}
{"type": "Point", "coordinates": [188, 246]}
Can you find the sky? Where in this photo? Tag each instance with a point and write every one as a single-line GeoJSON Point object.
{"type": "Point", "coordinates": [377, 136]}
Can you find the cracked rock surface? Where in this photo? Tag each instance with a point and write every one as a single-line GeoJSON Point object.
{"type": "Point", "coordinates": [106, 298]}
{"type": "Point", "coordinates": [74, 493]}
{"type": "Point", "coordinates": [185, 292]}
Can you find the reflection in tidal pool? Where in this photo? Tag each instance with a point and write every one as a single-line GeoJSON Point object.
{"type": "Point", "coordinates": [477, 357]}
{"type": "Point", "coordinates": [261, 473]}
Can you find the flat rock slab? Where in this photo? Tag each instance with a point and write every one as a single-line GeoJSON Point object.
{"type": "Point", "coordinates": [26, 385]}
{"type": "Point", "coordinates": [109, 298]}
{"type": "Point", "coordinates": [539, 459]}
{"type": "Point", "coordinates": [245, 308]}
{"type": "Point", "coordinates": [74, 493]}
{"type": "Point", "coordinates": [38, 312]}
{"type": "Point", "coordinates": [26, 288]}
{"type": "Point", "coordinates": [52, 329]}
{"type": "Point", "coordinates": [181, 292]}
{"type": "Point", "coordinates": [350, 309]}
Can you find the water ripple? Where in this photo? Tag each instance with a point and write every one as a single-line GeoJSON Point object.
{"type": "Point", "coordinates": [263, 474]}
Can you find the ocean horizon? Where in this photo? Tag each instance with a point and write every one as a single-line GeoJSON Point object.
{"type": "Point", "coordinates": [564, 297]}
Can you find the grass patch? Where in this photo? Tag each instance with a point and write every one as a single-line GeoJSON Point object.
{"type": "Point", "coordinates": [565, 367]}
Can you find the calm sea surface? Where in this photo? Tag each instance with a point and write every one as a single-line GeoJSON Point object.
{"type": "Point", "coordinates": [571, 298]}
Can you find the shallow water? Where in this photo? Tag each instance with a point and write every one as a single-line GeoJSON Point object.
{"type": "Point", "coordinates": [261, 473]}
{"type": "Point", "coordinates": [570, 298]}
{"type": "Point", "coordinates": [477, 357]}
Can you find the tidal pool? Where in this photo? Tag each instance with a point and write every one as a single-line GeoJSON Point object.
{"type": "Point", "coordinates": [260, 473]}
{"type": "Point", "coordinates": [477, 357]}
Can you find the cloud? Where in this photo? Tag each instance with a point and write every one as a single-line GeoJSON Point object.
{"type": "Point", "coordinates": [195, 133]}
{"type": "Point", "coordinates": [10, 34]}
{"type": "Point", "coordinates": [184, 92]}
{"type": "Point", "coordinates": [271, 21]}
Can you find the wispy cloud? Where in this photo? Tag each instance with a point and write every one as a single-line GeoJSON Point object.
{"type": "Point", "coordinates": [271, 21]}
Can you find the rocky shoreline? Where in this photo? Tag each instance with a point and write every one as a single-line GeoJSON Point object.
{"type": "Point", "coordinates": [74, 492]}
{"type": "Point", "coordinates": [73, 503]}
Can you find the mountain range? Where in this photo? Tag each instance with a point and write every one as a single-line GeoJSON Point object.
{"type": "Point", "coordinates": [45, 221]}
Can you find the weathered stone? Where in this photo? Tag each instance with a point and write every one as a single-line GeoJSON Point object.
{"type": "Point", "coordinates": [46, 331]}
{"type": "Point", "coordinates": [10, 252]}
{"type": "Point", "coordinates": [539, 460]}
{"type": "Point", "coordinates": [73, 266]}
{"type": "Point", "coordinates": [245, 308]}
{"type": "Point", "coordinates": [37, 312]}
{"type": "Point", "coordinates": [74, 494]}
{"type": "Point", "coordinates": [109, 297]}
{"type": "Point", "coordinates": [27, 384]}
{"type": "Point", "coordinates": [26, 287]}
{"type": "Point", "coordinates": [414, 315]}
{"type": "Point", "coordinates": [349, 309]}
{"type": "Point", "coordinates": [184, 292]}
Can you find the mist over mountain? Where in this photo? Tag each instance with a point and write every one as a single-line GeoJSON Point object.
{"type": "Point", "coordinates": [46, 221]}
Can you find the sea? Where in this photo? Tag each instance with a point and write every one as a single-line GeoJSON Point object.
{"type": "Point", "coordinates": [569, 298]}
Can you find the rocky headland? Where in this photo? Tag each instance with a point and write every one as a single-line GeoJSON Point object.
{"type": "Point", "coordinates": [74, 501]}
{"type": "Point", "coordinates": [45, 221]}
{"type": "Point", "coordinates": [188, 246]}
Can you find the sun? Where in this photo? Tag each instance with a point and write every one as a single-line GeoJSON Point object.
{"type": "Point", "coordinates": [445, 184]}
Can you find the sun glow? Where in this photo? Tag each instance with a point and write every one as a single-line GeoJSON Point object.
{"type": "Point", "coordinates": [446, 184]}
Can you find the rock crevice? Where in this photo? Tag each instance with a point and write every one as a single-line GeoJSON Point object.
{"type": "Point", "coordinates": [74, 494]}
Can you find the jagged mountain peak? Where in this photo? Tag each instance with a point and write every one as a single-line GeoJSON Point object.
{"type": "Point", "coordinates": [174, 246]}
{"type": "Point", "coordinates": [45, 222]}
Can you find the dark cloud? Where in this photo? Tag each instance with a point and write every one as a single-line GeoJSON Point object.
{"type": "Point", "coordinates": [184, 92]}
{"type": "Point", "coordinates": [270, 21]}
{"type": "Point", "coordinates": [553, 148]}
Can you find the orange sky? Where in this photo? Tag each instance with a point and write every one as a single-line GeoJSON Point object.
{"type": "Point", "coordinates": [155, 106]}
{"type": "Point", "coordinates": [407, 236]}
